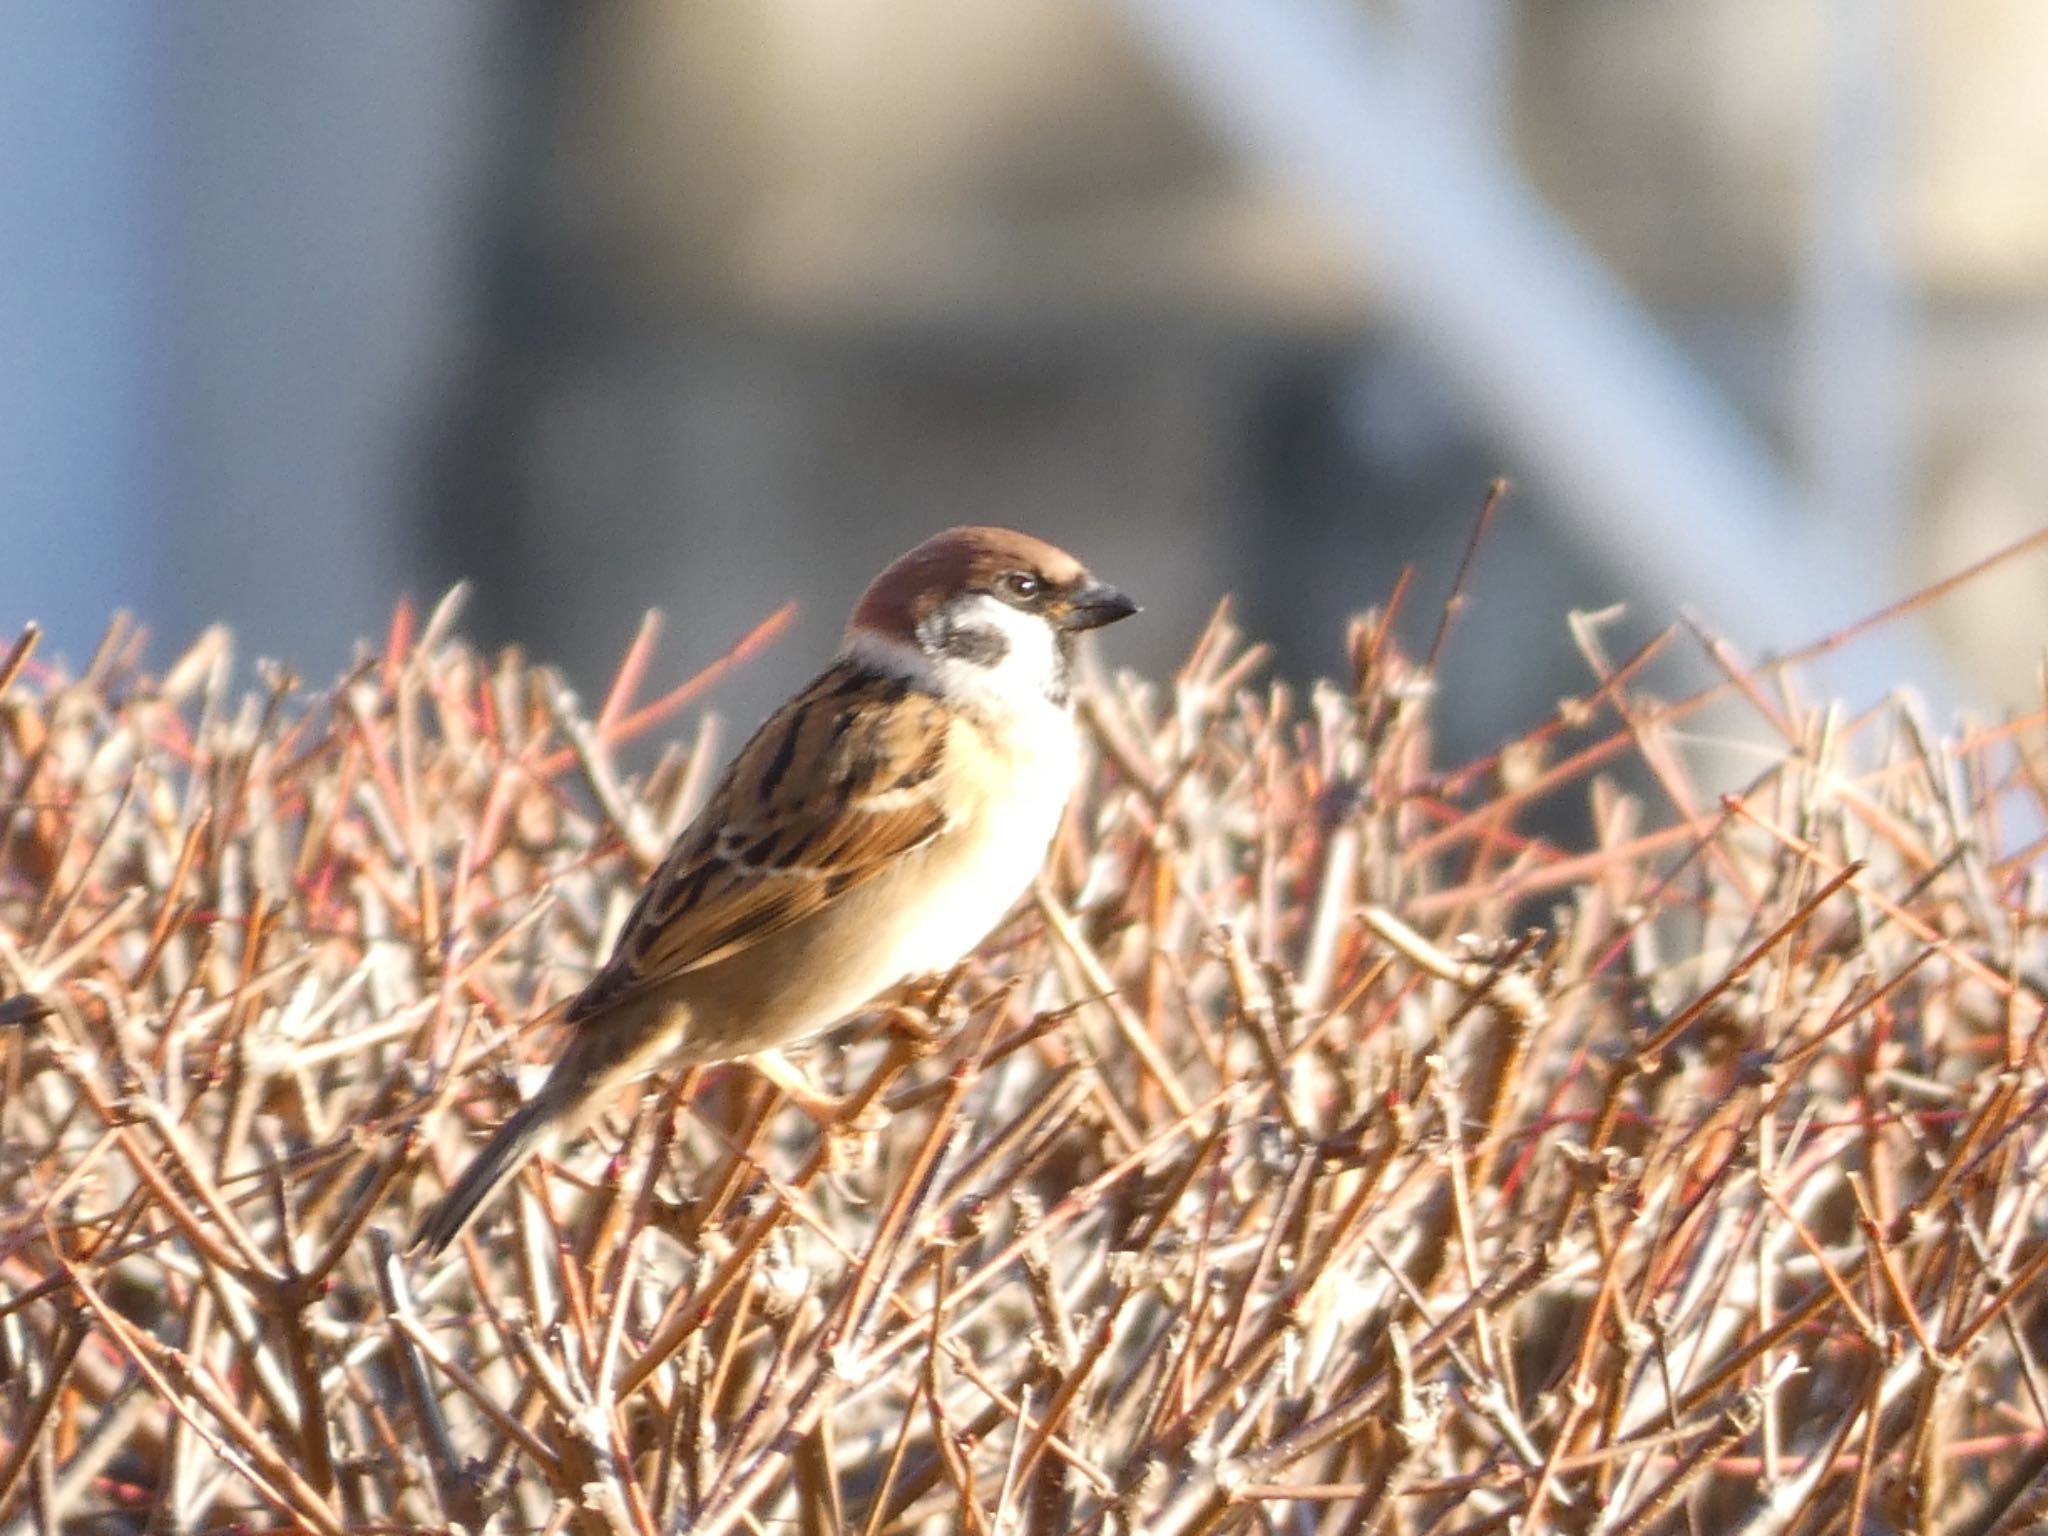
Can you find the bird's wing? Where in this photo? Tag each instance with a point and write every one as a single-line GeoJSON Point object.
{"type": "Point", "coordinates": [834, 786]}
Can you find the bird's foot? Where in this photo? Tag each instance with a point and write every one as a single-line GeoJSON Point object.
{"type": "Point", "coordinates": [926, 1018]}
{"type": "Point", "coordinates": [913, 1025]}
{"type": "Point", "coordinates": [838, 1115]}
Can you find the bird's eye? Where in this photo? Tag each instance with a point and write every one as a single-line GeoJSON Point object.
{"type": "Point", "coordinates": [1020, 586]}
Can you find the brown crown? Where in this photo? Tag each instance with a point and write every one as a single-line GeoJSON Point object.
{"type": "Point", "coordinates": [947, 564]}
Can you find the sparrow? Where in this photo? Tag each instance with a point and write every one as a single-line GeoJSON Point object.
{"type": "Point", "coordinates": [874, 830]}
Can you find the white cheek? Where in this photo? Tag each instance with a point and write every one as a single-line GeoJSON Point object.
{"type": "Point", "coordinates": [1016, 693]}
{"type": "Point", "coordinates": [1023, 680]}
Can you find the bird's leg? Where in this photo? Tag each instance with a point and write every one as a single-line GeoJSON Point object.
{"type": "Point", "coordinates": [928, 1011]}
{"type": "Point", "coordinates": [797, 1087]}
{"type": "Point", "coordinates": [848, 1122]}
{"type": "Point", "coordinates": [908, 1022]}
{"type": "Point", "coordinates": [854, 1114]}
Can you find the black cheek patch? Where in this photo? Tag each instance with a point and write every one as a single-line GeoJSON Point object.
{"type": "Point", "coordinates": [976, 645]}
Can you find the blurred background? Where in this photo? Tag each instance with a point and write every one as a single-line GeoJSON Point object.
{"type": "Point", "coordinates": [708, 306]}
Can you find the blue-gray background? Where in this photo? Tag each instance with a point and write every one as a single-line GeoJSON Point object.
{"type": "Point", "coordinates": [706, 306]}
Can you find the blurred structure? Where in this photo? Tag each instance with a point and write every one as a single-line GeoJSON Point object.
{"type": "Point", "coordinates": [703, 307]}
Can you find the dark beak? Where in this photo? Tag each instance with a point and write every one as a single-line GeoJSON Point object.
{"type": "Point", "coordinates": [1096, 605]}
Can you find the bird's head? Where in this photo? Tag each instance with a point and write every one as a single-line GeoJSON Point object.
{"type": "Point", "coordinates": [991, 613]}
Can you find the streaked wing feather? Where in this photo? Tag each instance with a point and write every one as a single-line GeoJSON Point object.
{"type": "Point", "coordinates": [834, 786]}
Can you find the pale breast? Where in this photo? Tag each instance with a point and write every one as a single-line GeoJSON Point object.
{"type": "Point", "coordinates": [975, 876]}
{"type": "Point", "coordinates": [919, 917]}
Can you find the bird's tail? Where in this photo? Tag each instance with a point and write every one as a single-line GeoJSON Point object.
{"type": "Point", "coordinates": [604, 1052]}
{"type": "Point", "coordinates": [525, 1132]}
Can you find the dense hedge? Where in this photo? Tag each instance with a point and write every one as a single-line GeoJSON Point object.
{"type": "Point", "coordinates": [1322, 1149]}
